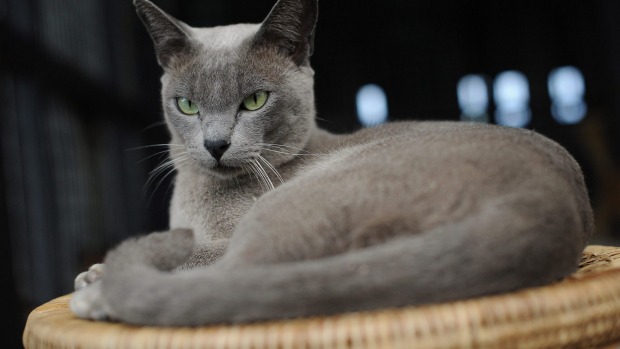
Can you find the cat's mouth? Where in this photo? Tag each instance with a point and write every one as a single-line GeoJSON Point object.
{"type": "Point", "coordinates": [225, 169]}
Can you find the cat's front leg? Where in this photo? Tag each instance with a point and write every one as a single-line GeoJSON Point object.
{"type": "Point", "coordinates": [205, 254]}
{"type": "Point", "coordinates": [90, 276]}
{"type": "Point", "coordinates": [202, 255]}
{"type": "Point", "coordinates": [159, 251]}
{"type": "Point", "coordinates": [88, 303]}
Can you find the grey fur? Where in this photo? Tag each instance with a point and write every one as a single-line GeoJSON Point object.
{"type": "Point", "coordinates": [402, 214]}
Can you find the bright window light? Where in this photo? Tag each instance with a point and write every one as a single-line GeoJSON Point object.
{"type": "Point", "coordinates": [472, 93]}
{"type": "Point", "coordinates": [372, 107]}
{"type": "Point", "coordinates": [567, 89]}
{"type": "Point", "coordinates": [512, 97]}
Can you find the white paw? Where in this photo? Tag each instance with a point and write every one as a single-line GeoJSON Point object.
{"type": "Point", "coordinates": [88, 303]}
{"type": "Point", "coordinates": [88, 277]}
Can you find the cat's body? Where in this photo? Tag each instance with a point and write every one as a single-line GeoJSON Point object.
{"type": "Point", "coordinates": [402, 214]}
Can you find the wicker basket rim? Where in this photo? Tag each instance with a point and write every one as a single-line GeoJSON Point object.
{"type": "Point", "coordinates": [583, 310]}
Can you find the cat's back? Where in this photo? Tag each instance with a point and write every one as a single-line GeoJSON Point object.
{"type": "Point", "coordinates": [449, 161]}
{"type": "Point", "coordinates": [444, 132]}
{"type": "Point", "coordinates": [437, 140]}
{"type": "Point", "coordinates": [453, 154]}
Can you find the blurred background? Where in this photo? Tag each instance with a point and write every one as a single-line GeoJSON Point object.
{"type": "Point", "coordinates": [80, 107]}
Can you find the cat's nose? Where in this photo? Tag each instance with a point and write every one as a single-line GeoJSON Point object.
{"type": "Point", "coordinates": [217, 148]}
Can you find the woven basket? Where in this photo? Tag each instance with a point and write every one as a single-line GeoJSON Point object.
{"type": "Point", "coordinates": [582, 311]}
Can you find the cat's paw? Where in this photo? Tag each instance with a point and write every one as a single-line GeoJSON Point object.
{"type": "Point", "coordinates": [86, 278]}
{"type": "Point", "coordinates": [88, 303]}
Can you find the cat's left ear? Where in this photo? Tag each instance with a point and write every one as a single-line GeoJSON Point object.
{"type": "Point", "coordinates": [290, 27]}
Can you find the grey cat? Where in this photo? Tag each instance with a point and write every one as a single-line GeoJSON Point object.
{"type": "Point", "coordinates": [274, 218]}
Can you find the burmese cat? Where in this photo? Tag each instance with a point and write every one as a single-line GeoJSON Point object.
{"type": "Point", "coordinates": [400, 214]}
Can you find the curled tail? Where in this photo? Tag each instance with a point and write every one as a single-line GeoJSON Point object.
{"type": "Point", "coordinates": [478, 256]}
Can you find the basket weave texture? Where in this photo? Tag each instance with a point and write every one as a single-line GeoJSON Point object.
{"type": "Point", "coordinates": [582, 311]}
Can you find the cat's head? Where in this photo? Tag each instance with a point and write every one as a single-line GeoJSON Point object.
{"type": "Point", "coordinates": [229, 91]}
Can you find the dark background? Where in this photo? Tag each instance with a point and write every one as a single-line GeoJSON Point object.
{"type": "Point", "coordinates": [79, 102]}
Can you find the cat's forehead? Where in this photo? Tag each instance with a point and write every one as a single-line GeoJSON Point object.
{"type": "Point", "coordinates": [225, 66]}
{"type": "Point", "coordinates": [226, 54]}
{"type": "Point", "coordinates": [225, 51]}
{"type": "Point", "coordinates": [229, 37]}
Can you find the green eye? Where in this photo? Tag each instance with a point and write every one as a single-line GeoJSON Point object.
{"type": "Point", "coordinates": [186, 106]}
{"type": "Point", "coordinates": [256, 100]}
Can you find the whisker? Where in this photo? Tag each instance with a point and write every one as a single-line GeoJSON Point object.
{"type": "Point", "coordinates": [261, 176]}
{"type": "Point", "coordinates": [168, 145]}
{"type": "Point", "coordinates": [237, 180]}
{"type": "Point", "coordinates": [261, 172]}
{"type": "Point", "coordinates": [152, 155]}
{"type": "Point", "coordinates": [179, 166]}
{"type": "Point", "coordinates": [302, 157]}
{"type": "Point", "coordinates": [170, 170]}
{"type": "Point", "coordinates": [159, 183]}
{"type": "Point", "coordinates": [248, 170]}
{"type": "Point", "coordinates": [256, 174]}
{"type": "Point", "coordinates": [164, 166]}
{"type": "Point", "coordinates": [271, 167]}
{"type": "Point", "coordinates": [289, 147]}
{"type": "Point", "coordinates": [155, 124]}
{"type": "Point", "coordinates": [167, 163]}
{"type": "Point", "coordinates": [266, 176]}
{"type": "Point", "coordinates": [161, 167]}
{"type": "Point", "coordinates": [279, 152]}
{"type": "Point", "coordinates": [283, 149]}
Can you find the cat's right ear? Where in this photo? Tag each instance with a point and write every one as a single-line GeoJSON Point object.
{"type": "Point", "coordinates": [290, 28]}
{"type": "Point", "coordinates": [169, 35]}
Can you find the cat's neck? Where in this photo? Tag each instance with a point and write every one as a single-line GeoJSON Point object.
{"type": "Point", "coordinates": [322, 141]}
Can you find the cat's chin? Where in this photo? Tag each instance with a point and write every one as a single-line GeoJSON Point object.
{"type": "Point", "coordinates": [212, 169]}
{"type": "Point", "coordinates": [225, 171]}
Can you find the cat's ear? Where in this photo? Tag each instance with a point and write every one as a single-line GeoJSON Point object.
{"type": "Point", "coordinates": [290, 27]}
{"type": "Point", "coordinates": [170, 36]}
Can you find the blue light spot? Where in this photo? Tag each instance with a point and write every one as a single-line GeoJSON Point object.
{"type": "Point", "coordinates": [372, 107]}
{"type": "Point", "coordinates": [472, 93]}
{"type": "Point", "coordinates": [512, 97]}
{"type": "Point", "coordinates": [567, 88]}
